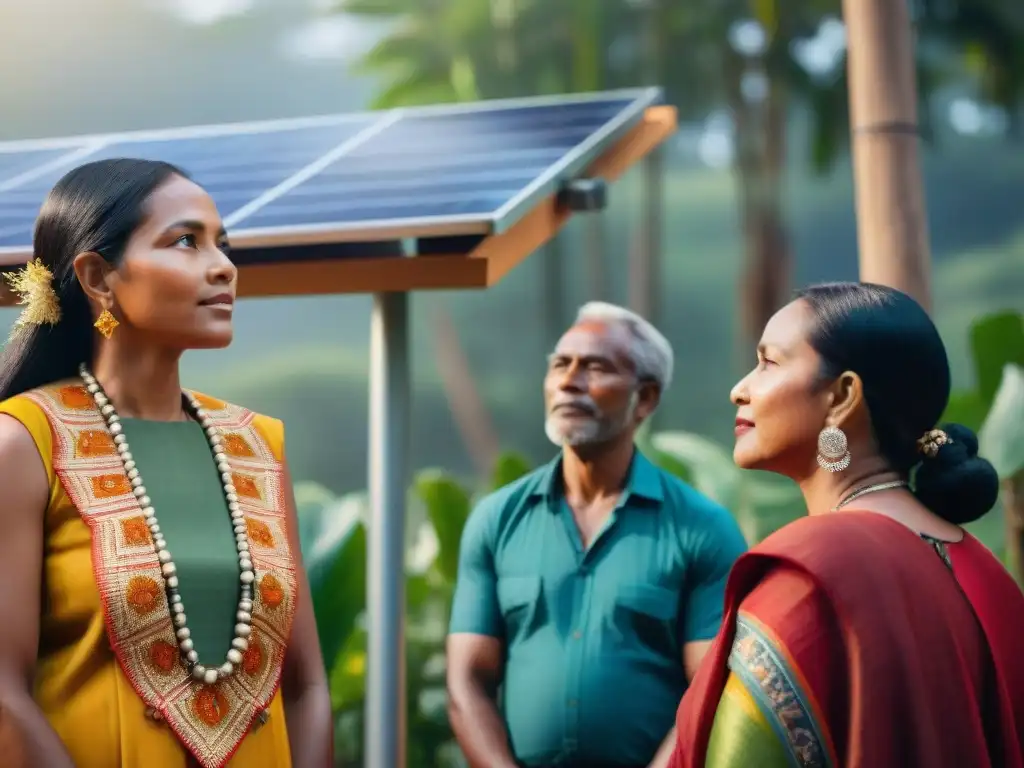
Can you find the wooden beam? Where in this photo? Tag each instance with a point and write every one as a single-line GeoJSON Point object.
{"type": "Point", "coordinates": [483, 267]}
{"type": "Point", "coordinates": [390, 274]}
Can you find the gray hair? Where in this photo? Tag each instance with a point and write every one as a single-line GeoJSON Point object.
{"type": "Point", "coordinates": [650, 351]}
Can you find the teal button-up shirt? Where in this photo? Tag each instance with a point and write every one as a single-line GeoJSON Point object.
{"type": "Point", "coordinates": [594, 637]}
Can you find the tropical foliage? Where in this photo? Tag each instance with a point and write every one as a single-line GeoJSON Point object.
{"type": "Point", "coordinates": [334, 544]}
{"type": "Point", "coordinates": [756, 61]}
{"type": "Point", "coordinates": [995, 409]}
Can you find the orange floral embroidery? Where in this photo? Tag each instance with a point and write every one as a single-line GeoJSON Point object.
{"type": "Point", "coordinates": [108, 486]}
{"type": "Point", "coordinates": [252, 659]}
{"type": "Point", "coordinates": [135, 531]}
{"type": "Point", "coordinates": [236, 445]}
{"type": "Point", "coordinates": [163, 655]}
{"type": "Point", "coordinates": [245, 486]}
{"type": "Point", "coordinates": [142, 594]}
{"type": "Point", "coordinates": [259, 532]}
{"type": "Point", "coordinates": [210, 705]}
{"type": "Point", "coordinates": [75, 398]}
{"type": "Point", "coordinates": [271, 591]}
{"type": "Point", "coordinates": [92, 443]}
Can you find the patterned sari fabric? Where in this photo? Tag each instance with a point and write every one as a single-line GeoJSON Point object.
{"type": "Point", "coordinates": [847, 642]}
{"type": "Point", "coordinates": [110, 679]}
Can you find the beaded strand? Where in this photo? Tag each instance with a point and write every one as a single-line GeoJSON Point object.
{"type": "Point", "coordinates": [243, 616]}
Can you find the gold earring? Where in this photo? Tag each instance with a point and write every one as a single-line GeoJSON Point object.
{"type": "Point", "coordinates": [106, 323]}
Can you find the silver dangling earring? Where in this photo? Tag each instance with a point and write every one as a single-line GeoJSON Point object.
{"type": "Point", "coordinates": [833, 450]}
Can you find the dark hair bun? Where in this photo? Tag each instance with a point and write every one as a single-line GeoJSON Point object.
{"type": "Point", "coordinates": [957, 484]}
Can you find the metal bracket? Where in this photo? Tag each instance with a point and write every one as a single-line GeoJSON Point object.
{"type": "Point", "coordinates": [584, 195]}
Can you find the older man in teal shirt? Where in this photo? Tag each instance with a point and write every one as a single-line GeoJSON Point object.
{"type": "Point", "coordinates": [589, 590]}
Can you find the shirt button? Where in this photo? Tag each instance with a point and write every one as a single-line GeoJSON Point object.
{"type": "Point", "coordinates": [573, 703]}
{"type": "Point", "coordinates": [577, 635]}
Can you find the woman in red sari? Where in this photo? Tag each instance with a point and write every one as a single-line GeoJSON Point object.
{"type": "Point", "coordinates": [875, 633]}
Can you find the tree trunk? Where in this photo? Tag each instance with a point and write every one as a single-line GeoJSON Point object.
{"type": "Point", "coordinates": [1013, 510]}
{"type": "Point", "coordinates": [760, 140]}
{"type": "Point", "coordinates": [769, 267]}
{"type": "Point", "coordinates": [467, 405]}
{"type": "Point", "coordinates": [891, 217]}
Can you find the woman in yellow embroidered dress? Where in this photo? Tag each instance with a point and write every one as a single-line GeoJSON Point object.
{"type": "Point", "coordinates": [174, 625]}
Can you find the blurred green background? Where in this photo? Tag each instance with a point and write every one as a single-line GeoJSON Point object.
{"type": "Point", "coordinates": [761, 90]}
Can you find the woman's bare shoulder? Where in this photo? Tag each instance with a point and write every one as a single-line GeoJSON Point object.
{"type": "Point", "coordinates": [23, 471]}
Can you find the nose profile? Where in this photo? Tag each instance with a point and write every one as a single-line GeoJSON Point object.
{"type": "Point", "coordinates": [570, 380]}
{"type": "Point", "coordinates": [223, 271]}
{"type": "Point", "coordinates": [738, 394]}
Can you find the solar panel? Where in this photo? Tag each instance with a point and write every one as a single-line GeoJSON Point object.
{"type": "Point", "coordinates": [455, 169]}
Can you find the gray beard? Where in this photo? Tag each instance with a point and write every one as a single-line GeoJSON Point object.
{"type": "Point", "coordinates": [590, 431]}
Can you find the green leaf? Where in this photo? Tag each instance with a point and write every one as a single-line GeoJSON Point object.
{"type": "Point", "coordinates": [965, 408]}
{"type": "Point", "coordinates": [710, 466]}
{"type": "Point", "coordinates": [996, 340]}
{"type": "Point", "coordinates": [448, 505]}
{"type": "Point", "coordinates": [376, 8]}
{"type": "Point", "coordinates": [670, 464]}
{"type": "Point", "coordinates": [403, 50]}
{"type": "Point", "coordinates": [311, 503]}
{"type": "Point", "coordinates": [415, 90]}
{"type": "Point", "coordinates": [770, 501]}
{"type": "Point", "coordinates": [508, 468]}
{"type": "Point", "coordinates": [348, 673]}
{"type": "Point", "coordinates": [418, 592]}
{"type": "Point", "coordinates": [336, 567]}
{"type": "Point", "coordinates": [1001, 438]}
{"type": "Point", "coordinates": [463, 79]}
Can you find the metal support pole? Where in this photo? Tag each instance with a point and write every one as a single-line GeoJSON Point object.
{"type": "Point", "coordinates": [385, 734]}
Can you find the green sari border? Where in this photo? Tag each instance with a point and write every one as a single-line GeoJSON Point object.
{"type": "Point", "coordinates": [760, 663]}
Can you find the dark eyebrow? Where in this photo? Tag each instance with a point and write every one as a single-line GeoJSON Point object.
{"type": "Point", "coordinates": [195, 226]}
{"type": "Point", "coordinates": [555, 357]}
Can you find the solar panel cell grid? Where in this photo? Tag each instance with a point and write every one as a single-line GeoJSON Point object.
{"type": "Point", "coordinates": [472, 167]}
{"type": "Point", "coordinates": [440, 166]}
{"type": "Point", "coordinates": [13, 164]}
{"type": "Point", "coordinates": [234, 169]}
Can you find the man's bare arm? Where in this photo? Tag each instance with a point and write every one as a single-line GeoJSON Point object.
{"type": "Point", "coordinates": [693, 655]}
{"type": "Point", "coordinates": [26, 738]}
{"type": "Point", "coordinates": [475, 669]}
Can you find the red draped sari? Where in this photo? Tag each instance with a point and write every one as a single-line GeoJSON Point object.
{"type": "Point", "coordinates": [849, 642]}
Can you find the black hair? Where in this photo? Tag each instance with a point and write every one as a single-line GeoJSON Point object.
{"type": "Point", "coordinates": [95, 207]}
{"type": "Point", "coordinates": [887, 339]}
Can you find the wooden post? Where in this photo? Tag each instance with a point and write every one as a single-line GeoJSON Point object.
{"type": "Point", "coordinates": [892, 229]}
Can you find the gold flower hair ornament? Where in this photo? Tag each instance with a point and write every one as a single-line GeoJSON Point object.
{"type": "Point", "coordinates": [931, 441]}
{"type": "Point", "coordinates": [34, 286]}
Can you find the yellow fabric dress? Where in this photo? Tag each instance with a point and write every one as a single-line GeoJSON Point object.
{"type": "Point", "coordinates": [110, 679]}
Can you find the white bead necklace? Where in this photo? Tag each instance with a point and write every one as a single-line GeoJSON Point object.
{"type": "Point", "coordinates": [243, 627]}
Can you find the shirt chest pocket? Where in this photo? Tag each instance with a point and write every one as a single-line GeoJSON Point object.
{"type": "Point", "coordinates": [519, 598]}
{"type": "Point", "coordinates": [647, 615]}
